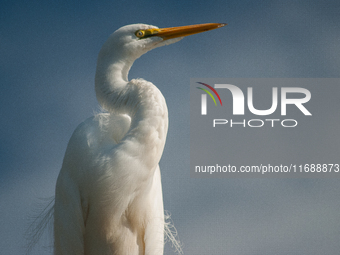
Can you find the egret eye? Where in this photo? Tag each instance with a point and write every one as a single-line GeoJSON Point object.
{"type": "Point", "coordinates": [139, 33]}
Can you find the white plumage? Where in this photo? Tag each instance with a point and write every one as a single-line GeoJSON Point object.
{"type": "Point", "coordinates": [108, 195]}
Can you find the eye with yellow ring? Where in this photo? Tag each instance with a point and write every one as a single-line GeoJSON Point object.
{"type": "Point", "coordinates": [140, 33]}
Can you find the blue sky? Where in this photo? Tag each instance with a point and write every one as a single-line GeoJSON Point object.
{"type": "Point", "coordinates": [48, 57]}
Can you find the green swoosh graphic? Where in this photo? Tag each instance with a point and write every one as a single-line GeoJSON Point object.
{"type": "Point", "coordinates": [208, 94]}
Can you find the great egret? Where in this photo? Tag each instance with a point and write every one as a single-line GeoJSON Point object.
{"type": "Point", "coordinates": [108, 197]}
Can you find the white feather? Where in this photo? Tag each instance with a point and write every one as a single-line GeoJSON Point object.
{"type": "Point", "coordinates": [109, 194]}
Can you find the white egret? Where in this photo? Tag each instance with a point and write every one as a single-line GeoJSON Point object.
{"type": "Point", "coordinates": [108, 195]}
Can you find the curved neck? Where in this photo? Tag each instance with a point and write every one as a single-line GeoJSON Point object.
{"type": "Point", "coordinates": [140, 99]}
{"type": "Point", "coordinates": [111, 78]}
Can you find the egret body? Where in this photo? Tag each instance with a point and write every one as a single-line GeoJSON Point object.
{"type": "Point", "coordinates": [108, 194]}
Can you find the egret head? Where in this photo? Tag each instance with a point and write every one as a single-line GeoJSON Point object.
{"type": "Point", "coordinates": [127, 44]}
{"type": "Point", "coordinates": [135, 40]}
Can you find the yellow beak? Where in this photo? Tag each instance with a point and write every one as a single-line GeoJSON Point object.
{"type": "Point", "coordinates": [173, 32]}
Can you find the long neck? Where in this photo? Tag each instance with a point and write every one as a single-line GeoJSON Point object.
{"type": "Point", "coordinates": [111, 79]}
{"type": "Point", "coordinates": [141, 100]}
